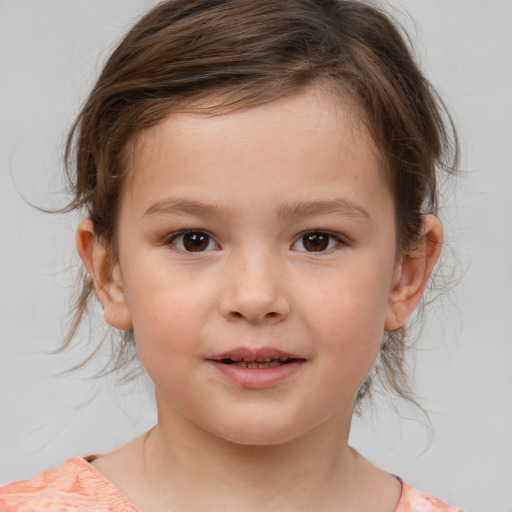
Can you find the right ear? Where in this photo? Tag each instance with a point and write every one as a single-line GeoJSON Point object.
{"type": "Point", "coordinates": [106, 276]}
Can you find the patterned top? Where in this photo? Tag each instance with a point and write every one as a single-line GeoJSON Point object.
{"type": "Point", "coordinates": [78, 486]}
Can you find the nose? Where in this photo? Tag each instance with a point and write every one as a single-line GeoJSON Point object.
{"type": "Point", "coordinates": [254, 291]}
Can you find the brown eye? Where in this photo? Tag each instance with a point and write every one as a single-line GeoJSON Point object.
{"type": "Point", "coordinates": [193, 241]}
{"type": "Point", "coordinates": [315, 242]}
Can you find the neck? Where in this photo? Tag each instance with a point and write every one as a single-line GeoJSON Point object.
{"type": "Point", "coordinates": [180, 457]}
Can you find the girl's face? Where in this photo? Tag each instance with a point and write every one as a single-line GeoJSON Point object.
{"type": "Point", "coordinates": [257, 265]}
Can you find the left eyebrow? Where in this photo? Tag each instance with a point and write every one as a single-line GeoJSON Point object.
{"type": "Point", "coordinates": [342, 207]}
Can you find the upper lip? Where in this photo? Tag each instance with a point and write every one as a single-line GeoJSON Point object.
{"type": "Point", "coordinates": [252, 354]}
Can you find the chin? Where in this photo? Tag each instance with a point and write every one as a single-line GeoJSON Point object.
{"type": "Point", "coordinates": [258, 438]}
{"type": "Point", "coordinates": [260, 433]}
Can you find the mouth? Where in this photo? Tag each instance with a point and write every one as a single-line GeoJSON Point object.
{"type": "Point", "coordinates": [257, 368]}
{"type": "Point", "coordinates": [261, 362]}
{"type": "Point", "coordinates": [263, 357]}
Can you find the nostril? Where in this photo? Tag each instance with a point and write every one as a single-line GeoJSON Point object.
{"type": "Point", "coordinates": [254, 308]}
{"type": "Point", "coordinates": [270, 314]}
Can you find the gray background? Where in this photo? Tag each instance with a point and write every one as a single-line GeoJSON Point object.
{"type": "Point", "coordinates": [50, 51]}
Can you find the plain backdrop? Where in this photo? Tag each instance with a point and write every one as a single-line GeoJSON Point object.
{"type": "Point", "coordinates": [50, 53]}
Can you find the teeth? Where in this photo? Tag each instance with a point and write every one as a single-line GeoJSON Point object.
{"type": "Point", "coordinates": [266, 363]}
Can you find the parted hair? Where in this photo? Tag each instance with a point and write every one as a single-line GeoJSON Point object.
{"type": "Point", "coordinates": [218, 56]}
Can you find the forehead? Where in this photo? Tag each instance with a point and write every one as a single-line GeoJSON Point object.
{"type": "Point", "coordinates": [295, 143]}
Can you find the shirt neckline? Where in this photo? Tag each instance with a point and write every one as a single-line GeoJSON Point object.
{"type": "Point", "coordinates": [85, 462]}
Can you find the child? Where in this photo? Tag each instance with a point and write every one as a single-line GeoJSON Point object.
{"type": "Point", "coordinates": [259, 188]}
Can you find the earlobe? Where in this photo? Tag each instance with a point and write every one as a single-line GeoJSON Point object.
{"type": "Point", "coordinates": [106, 276]}
{"type": "Point", "coordinates": [413, 273]}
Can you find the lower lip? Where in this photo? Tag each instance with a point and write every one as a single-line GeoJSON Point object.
{"type": "Point", "coordinates": [257, 378]}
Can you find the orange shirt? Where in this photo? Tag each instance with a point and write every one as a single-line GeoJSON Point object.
{"type": "Point", "coordinates": [78, 486]}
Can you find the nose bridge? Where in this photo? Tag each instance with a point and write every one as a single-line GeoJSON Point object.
{"type": "Point", "coordinates": [254, 285]}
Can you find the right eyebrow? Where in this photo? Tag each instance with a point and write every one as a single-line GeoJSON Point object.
{"type": "Point", "coordinates": [185, 206]}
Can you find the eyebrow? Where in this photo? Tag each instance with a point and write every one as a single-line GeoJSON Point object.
{"type": "Point", "coordinates": [185, 206]}
{"type": "Point", "coordinates": [341, 207]}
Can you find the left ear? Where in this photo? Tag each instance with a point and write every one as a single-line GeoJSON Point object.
{"type": "Point", "coordinates": [413, 273]}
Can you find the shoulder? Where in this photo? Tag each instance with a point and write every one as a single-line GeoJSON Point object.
{"type": "Point", "coordinates": [413, 500]}
{"type": "Point", "coordinates": [73, 486]}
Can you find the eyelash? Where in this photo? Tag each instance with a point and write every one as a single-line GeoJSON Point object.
{"type": "Point", "coordinates": [322, 238]}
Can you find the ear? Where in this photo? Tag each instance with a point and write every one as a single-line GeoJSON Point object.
{"type": "Point", "coordinates": [106, 276]}
{"type": "Point", "coordinates": [413, 273]}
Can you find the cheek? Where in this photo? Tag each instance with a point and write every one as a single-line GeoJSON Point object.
{"type": "Point", "coordinates": [349, 323]}
{"type": "Point", "coordinates": [348, 354]}
{"type": "Point", "coordinates": [166, 301]}
{"type": "Point", "coordinates": [352, 345]}
{"type": "Point", "coordinates": [166, 337]}
{"type": "Point", "coordinates": [354, 307]}
{"type": "Point", "coordinates": [166, 321]}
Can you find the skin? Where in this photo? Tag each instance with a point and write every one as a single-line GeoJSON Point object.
{"type": "Point", "coordinates": [255, 182]}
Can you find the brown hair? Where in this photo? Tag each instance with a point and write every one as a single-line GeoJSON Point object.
{"type": "Point", "coordinates": [243, 53]}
